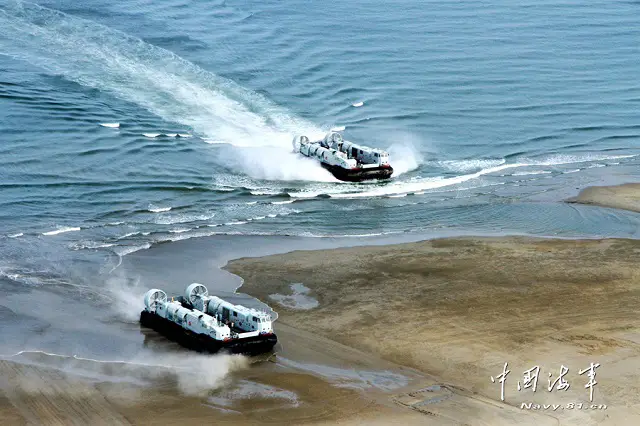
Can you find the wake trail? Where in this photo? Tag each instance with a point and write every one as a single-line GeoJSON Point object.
{"type": "Point", "coordinates": [97, 56]}
{"type": "Point", "coordinates": [420, 185]}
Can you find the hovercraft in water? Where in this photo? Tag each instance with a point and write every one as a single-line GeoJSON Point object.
{"type": "Point", "coordinates": [345, 160]}
{"type": "Point", "coordinates": [207, 323]}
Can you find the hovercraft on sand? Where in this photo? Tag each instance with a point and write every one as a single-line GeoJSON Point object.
{"type": "Point", "coordinates": [207, 323]}
{"type": "Point", "coordinates": [345, 160]}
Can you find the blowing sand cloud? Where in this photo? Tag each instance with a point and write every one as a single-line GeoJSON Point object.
{"type": "Point", "coordinates": [193, 374]}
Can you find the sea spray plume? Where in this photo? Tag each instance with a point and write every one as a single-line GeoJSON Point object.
{"type": "Point", "coordinates": [404, 155]}
{"type": "Point", "coordinates": [194, 374]}
{"type": "Point", "coordinates": [127, 296]}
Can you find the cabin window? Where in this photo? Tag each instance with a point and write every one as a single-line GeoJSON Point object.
{"type": "Point", "coordinates": [255, 319]}
{"type": "Point", "coordinates": [360, 151]}
{"type": "Point", "coordinates": [375, 155]}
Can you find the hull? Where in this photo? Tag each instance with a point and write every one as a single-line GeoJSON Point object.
{"type": "Point", "coordinates": [358, 175]}
{"type": "Point", "coordinates": [201, 343]}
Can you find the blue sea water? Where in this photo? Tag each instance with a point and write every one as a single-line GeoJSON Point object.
{"type": "Point", "coordinates": [125, 124]}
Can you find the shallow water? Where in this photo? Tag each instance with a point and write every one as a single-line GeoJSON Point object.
{"type": "Point", "coordinates": [129, 124]}
{"type": "Point", "coordinates": [471, 99]}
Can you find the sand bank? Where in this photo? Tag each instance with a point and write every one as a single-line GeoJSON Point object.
{"type": "Point", "coordinates": [626, 196]}
{"type": "Point", "coordinates": [401, 334]}
{"type": "Point", "coordinates": [38, 393]}
{"type": "Point", "coordinates": [458, 309]}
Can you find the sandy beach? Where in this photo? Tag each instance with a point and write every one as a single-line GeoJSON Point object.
{"type": "Point", "coordinates": [457, 244]}
{"type": "Point", "coordinates": [625, 196]}
{"type": "Point", "coordinates": [458, 309]}
{"type": "Point", "coordinates": [392, 334]}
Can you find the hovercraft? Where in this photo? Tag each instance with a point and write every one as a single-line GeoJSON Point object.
{"type": "Point", "coordinates": [345, 160]}
{"type": "Point", "coordinates": [208, 323]}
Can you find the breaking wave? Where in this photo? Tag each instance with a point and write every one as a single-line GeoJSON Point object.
{"type": "Point", "coordinates": [61, 231]}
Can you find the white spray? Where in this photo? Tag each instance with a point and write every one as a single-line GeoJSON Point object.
{"type": "Point", "coordinates": [177, 90]}
{"type": "Point", "coordinates": [127, 296]}
{"type": "Point", "coordinates": [404, 155]}
{"type": "Point", "coordinates": [193, 374]}
{"type": "Point", "coordinates": [272, 163]}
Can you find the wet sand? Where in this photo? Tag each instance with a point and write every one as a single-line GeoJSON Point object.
{"type": "Point", "coordinates": [458, 309]}
{"type": "Point", "coordinates": [397, 334]}
{"type": "Point", "coordinates": [625, 196]}
{"type": "Point", "coordinates": [309, 384]}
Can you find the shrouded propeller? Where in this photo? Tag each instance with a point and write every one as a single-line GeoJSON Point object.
{"type": "Point", "coordinates": [153, 297]}
{"type": "Point", "coordinates": [196, 291]}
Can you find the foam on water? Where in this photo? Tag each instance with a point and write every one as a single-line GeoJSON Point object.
{"type": "Point", "coordinates": [61, 230]}
{"type": "Point", "coordinates": [471, 164]}
{"type": "Point", "coordinates": [168, 135]}
{"type": "Point", "coordinates": [162, 82]}
{"type": "Point", "coordinates": [178, 218]}
{"type": "Point", "coordinates": [127, 235]}
{"type": "Point", "coordinates": [420, 185]}
{"type": "Point", "coordinates": [532, 172]}
{"type": "Point", "coordinates": [91, 245]}
{"type": "Point", "coordinates": [159, 209]}
{"type": "Point", "coordinates": [125, 250]}
{"type": "Point", "coordinates": [561, 159]}
{"type": "Point", "coordinates": [274, 163]}
{"type": "Point", "coordinates": [461, 130]}
{"type": "Point", "coordinates": [110, 125]}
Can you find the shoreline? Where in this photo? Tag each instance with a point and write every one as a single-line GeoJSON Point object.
{"type": "Point", "coordinates": [625, 196]}
{"type": "Point", "coordinates": [436, 368]}
{"type": "Point", "coordinates": [465, 323]}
